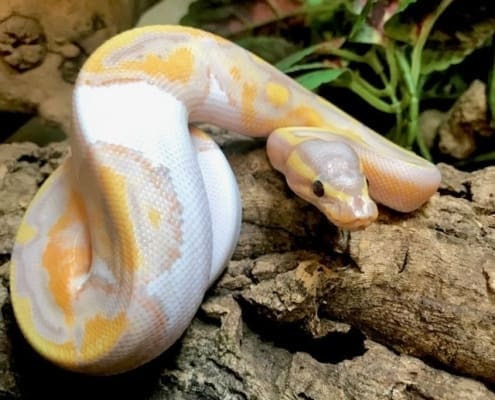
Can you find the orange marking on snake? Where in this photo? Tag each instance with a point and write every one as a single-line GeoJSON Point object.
{"type": "Point", "coordinates": [159, 180]}
{"type": "Point", "coordinates": [306, 116]}
{"type": "Point", "coordinates": [249, 91]}
{"type": "Point", "coordinates": [97, 62]}
{"type": "Point", "coordinates": [235, 73]}
{"type": "Point", "coordinates": [102, 333]}
{"type": "Point", "coordinates": [178, 66]}
{"type": "Point", "coordinates": [62, 261]}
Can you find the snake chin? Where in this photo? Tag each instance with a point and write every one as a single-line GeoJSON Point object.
{"type": "Point", "coordinates": [359, 214]}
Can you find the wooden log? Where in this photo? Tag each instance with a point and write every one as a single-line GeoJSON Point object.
{"type": "Point", "coordinates": [403, 309]}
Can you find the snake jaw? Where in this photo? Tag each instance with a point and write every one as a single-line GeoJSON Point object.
{"type": "Point", "coordinates": [358, 214]}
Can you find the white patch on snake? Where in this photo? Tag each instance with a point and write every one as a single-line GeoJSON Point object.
{"type": "Point", "coordinates": [113, 111]}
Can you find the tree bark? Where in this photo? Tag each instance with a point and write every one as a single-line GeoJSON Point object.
{"type": "Point", "coordinates": [402, 310]}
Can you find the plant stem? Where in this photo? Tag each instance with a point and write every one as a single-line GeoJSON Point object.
{"type": "Point", "coordinates": [415, 82]}
{"type": "Point", "coordinates": [371, 88]}
{"type": "Point", "coordinates": [423, 36]}
{"type": "Point", "coordinates": [392, 86]}
{"type": "Point", "coordinates": [399, 123]}
{"type": "Point", "coordinates": [357, 87]}
{"type": "Point", "coordinates": [420, 140]}
{"type": "Point", "coordinates": [392, 65]}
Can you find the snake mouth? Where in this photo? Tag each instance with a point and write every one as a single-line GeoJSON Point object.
{"type": "Point", "coordinates": [358, 214]}
{"type": "Point", "coordinates": [356, 224]}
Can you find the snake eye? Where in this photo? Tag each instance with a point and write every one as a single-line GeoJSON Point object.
{"type": "Point", "coordinates": [318, 189]}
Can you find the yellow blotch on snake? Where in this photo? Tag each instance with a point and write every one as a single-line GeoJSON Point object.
{"type": "Point", "coordinates": [25, 234]}
{"type": "Point", "coordinates": [277, 94]}
{"type": "Point", "coordinates": [307, 116]}
{"type": "Point", "coordinates": [101, 333]}
{"type": "Point", "coordinates": [105, 332]}
{"type": "Point", "coordinates": [178, 66]}
{"type": "Point", "coordinates": [64, 351]}
{"type": "Point", "coordinates": [154, 217]}
{"type": "Point", "coordinates": [114, 185]}
{"type": "Point", "coordinates": [97, 62]}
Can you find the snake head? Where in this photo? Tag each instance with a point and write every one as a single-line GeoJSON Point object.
{"type": "Point", "coordinates": [329, 175]}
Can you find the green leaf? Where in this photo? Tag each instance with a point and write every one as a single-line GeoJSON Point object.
{"type": "Point", "coordinates": [462, 28]}
{"type": "Point", "coordinates": [304, 67]}
{"type": "Point", "coordinates": [202, 12]}
{"type": "Point", "coordinates": [394, 6]}
{"type": "Point", "coordinates": [361, 31]}
{"type": "Point", "coordinates": [405, 26]}
{"type": "Point", "coordinates": [329, 48]}
{"type": "Point", "coordinates": [313, 80]}
{"type": "Point", "coordinates": [373, 15]}
{"type": "Point", "coordinates": [271, 49]}
{"type": "Point", "coordinates": [313, 3]}
{"type": "Point", "coordinates": [294, 58]}
{"type": "Point", "coordinates": [445, 49]}
{"type": "Point", "coordinates": [329, 18]}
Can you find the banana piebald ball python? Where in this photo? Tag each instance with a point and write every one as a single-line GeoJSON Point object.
{"type": "Point", "coordinates": [116, 250]}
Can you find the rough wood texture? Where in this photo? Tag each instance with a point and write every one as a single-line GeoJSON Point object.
{"type": "Point", "coordinates": [466, 126]}
{"type": "Point", "coordinates": [306, 311]}
{"type": "Point", "coordinates": [43, 44]}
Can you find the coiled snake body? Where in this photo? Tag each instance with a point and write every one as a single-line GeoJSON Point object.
{"type": "Point", "coordinates": [119, 245]}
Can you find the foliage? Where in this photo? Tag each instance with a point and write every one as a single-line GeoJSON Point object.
{"type": "Point", "coordinates": [392, 53]}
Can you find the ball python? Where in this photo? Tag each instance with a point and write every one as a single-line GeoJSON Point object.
{"type": "Point", "coordinates": [117, 248]}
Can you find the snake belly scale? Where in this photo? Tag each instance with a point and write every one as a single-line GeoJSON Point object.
{"type": "Point", "coordinates": [119, 245]}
